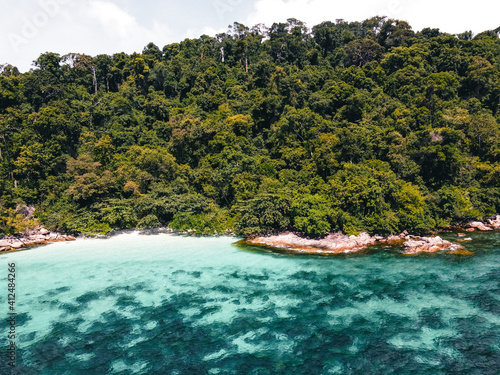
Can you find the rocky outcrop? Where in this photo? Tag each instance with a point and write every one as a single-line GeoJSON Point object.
{"type": "Point", "coordinates": [488, 224]}
{"type": "Point", "coordinates": [335, 243]}
{"type": "Point", "coordinates": [479, 226]}
{"type": "Point", "coordinates": [495, 222]}
{"type": "Point", "coordinates": [395, 239]}
{"type": "Point", "coordinates": [461, 251]}
{"type": "Point", "coordinates": [428, 245]}
{"type": "Point", "coordinates": [338, 243]}
{"type": "Point", "coordinates": [40, 236]}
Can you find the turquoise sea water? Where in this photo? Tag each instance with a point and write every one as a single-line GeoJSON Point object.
{"type": "Point", "coordinates": [165, 304]}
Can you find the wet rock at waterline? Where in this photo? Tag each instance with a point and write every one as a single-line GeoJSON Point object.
{"type": "Point", "coordinates": [429, 245]}
{"type": "Point", "coordinates": [337, 243]}
{"type": "Point", "coordinates": [38, 237]}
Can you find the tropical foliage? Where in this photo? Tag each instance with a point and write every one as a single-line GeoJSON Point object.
{"type": "Point", "coordinates": [347, 126]}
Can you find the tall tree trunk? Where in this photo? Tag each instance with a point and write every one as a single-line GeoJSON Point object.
{"type": "Point", "coordinates": [95, 80]}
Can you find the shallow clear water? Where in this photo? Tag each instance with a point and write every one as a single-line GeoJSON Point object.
{"type": "Point", "coordinates": [166, 304]}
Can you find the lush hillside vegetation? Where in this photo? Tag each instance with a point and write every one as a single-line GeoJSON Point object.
{"type": "Point", "coordinates": [348, 126]}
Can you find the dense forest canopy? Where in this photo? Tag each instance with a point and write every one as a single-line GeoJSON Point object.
{"type": "Point", "coordinates": [347, 126]}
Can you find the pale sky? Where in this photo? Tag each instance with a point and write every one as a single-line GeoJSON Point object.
{"type": "Point", "coordinates": [31, 27]}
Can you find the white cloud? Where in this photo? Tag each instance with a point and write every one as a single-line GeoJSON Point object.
{"type": "Point", "coordinates": [196, 33]}
{"type": "Point", "coordinates": [120, 31]}
{"type": "Point", "coordinates": [92, 27]}
{"type": "Point", "coordinates": [113, 19]}
{"type": "Point", "coordinates": [449, 16]}
{"type": "Point", "coordinates": [453, 17]}
{"type": "Point", "coordinates": [109, 26]}
{"type": "Point", "coordinates": [27, 28]}
{"type": "Point", "coordinates": [316, 11]}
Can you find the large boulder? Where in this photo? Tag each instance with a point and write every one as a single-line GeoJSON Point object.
{"type": "Point", "coordinates": [334, 243]}
{"type": "Point", "coordinates": [40, 236]}
{"type": "Point", "coordinates": [4, 243]}
{"type": "Point", "coordinates": [395, 239]}
{"type": "Point", "coordinates": [495, 223]}
{"type": "Point", "coordinates": [17, 244]}
{"type": "Point", "coordinates": [479, 226]}
{"type": "Point", "coordinates": [428, 245]}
